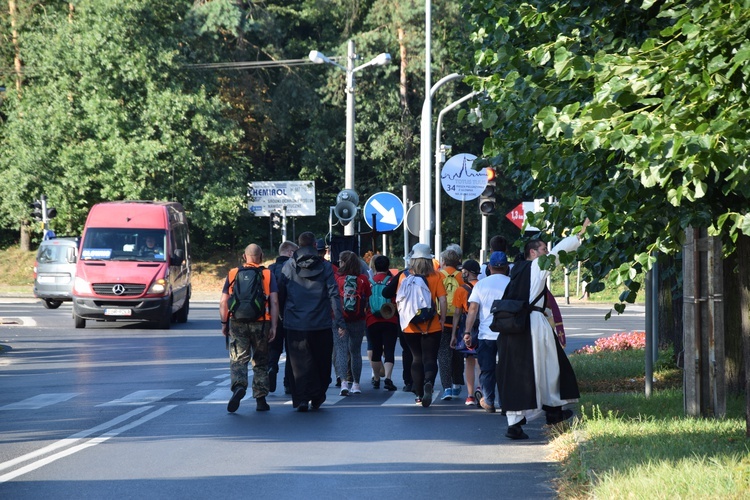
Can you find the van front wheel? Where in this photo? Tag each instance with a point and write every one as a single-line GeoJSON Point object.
{"type": "Point", "coordinates": [80, 322]}
{"type": "Point", "coordinates": [165, 323]}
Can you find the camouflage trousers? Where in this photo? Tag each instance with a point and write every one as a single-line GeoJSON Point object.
{"type": "Point", "coordinates": [249, 342]}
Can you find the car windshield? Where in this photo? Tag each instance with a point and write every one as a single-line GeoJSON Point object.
{"type": "Point", "coordinates": [124, 244]}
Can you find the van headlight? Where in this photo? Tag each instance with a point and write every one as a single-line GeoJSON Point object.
{"type": "Point", "coordinates": [82, 286]}
{"type": "Point", "coordinates": [159, 286]}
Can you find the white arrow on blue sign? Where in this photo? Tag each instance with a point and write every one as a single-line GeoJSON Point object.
{"type": "Point", "coordinates": [387, 209]}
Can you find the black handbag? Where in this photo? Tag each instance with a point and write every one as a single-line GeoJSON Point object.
{"type": "Point", "coordinates": [511, 317]}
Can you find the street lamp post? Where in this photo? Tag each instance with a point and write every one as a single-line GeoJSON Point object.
{"type": "Point", "coordinates": [380, 60]}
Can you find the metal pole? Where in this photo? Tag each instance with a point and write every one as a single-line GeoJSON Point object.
{"type": "Point", "coordinates": [283, 223]}
{"type": "Point", "coordinates": [349, 165]}
{"type": "Point", "coordinates": [439, 161]}
{"type": "Point", "coordinates": [406, 231]}
{"type": "Point", "coordinates": [425, 178]}
{"type": "Point", "coordinates": [649, 332]}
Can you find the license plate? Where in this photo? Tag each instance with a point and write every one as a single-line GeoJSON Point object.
{"type": "Point", "coordinates": [45, 279]}
{"type": "Point", "coordinates": [118, 312]}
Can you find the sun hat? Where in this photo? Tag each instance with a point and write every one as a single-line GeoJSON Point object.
{"type": "Point", "coordinates": [421, 251]}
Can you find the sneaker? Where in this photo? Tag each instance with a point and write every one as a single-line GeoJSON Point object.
{"type": "Point", "coordinates": [447, 394]}
{"type": "Point", "coordinates": [478, 396]}
{"type": "Point", "coordinates": [375, 383]}
{"type": "Point", "coordinates": [302, 408]}
{"type": "Point", "coordinates": [317, 403]}
{"type": "Point", "coordinates": [356, 389]}
{"type": "Point", "coordinates": [408, 388]}
{"type": "Point", "coordinates": [389, 385]}
{"type": "Point", "coordinates": [456, 390]}
{"type": "Point", "coordinates": [418, 401]}
{"type": "Point", "coordinates": [237, 394]}
{"type": "Point", "coordinates": [344, 388]}
{"type": "Point", "coordinates": [470, 401]}
{"type": "Point", "coordinates": [261, 404]}
{"type": "Point", "coordinates": [427, 398]}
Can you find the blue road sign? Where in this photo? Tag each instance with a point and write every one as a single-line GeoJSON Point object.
{"type": "Point", "coordinates": [387, 209]}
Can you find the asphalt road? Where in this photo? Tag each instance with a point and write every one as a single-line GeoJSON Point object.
{"type": "Point", "coordinates": [119, 410]}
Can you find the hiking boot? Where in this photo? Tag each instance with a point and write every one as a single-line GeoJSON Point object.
{"type": "Point", "coordinates": [427, 398]}
{"type": "Point", "coordinates": [389, 385]}
{"type": "Point", "coordinates": [488, 406]}
{"type": "Point", "coordinates": [261, 404]}
{"type": "Point", "coordinates": [237, 394]}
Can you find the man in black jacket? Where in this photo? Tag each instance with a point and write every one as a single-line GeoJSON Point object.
{"type": "Point", "coordinates": [311, 299]}
{"type": "Point", "coordinates": [275, 348]}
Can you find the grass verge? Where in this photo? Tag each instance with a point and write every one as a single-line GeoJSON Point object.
{"type": "Point", "coordinates": [625, 445]}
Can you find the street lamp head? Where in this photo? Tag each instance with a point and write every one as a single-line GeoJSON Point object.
{"type": "Point", "coordinates": [382, 59]}
{"type": "Point", "coordinates": [318, 57]}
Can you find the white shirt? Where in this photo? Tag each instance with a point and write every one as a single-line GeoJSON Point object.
{"type": "Point", "coordinates": [484, 293]}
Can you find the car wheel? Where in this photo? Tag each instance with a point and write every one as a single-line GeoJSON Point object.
{"type": "Point", "coordinates": [52, 303]}
{"type": "Point", "coordinates": [80, 322]}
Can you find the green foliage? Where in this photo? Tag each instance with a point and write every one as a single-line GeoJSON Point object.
{"type": "Point", "coordinates": [632, 114]}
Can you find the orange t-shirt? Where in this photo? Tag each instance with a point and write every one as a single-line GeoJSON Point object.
{"type": "Point", "coordinates": [435, 284]}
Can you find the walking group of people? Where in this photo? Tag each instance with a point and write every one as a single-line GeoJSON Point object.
{"type": "Point", "coordinates": [439, 310]}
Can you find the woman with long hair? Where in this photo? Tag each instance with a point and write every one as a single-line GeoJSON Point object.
{"type": "Point", "coordinates": [355, 291]}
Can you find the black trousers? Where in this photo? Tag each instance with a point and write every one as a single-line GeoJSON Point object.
{"type": "Point", "coordinates": [424, 368]}
{"type": "Point", "coordinates": [309, 353]}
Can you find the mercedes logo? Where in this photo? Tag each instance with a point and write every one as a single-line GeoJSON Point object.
{"type": "Point", "coordinates": [118, 289]}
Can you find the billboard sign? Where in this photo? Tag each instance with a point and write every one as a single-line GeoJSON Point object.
{"type": "Point", "coordinates": [267, 197]}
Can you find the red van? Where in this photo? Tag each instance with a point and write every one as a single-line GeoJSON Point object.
{"type": "Point", "coordinates": [133, 264]}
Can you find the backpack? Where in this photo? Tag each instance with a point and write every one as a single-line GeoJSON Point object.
{"type": "Point", "coordinates": [510, 315]}
{"type": "Point", "coordinates": [351, 299]}
{"type": "Point", "coordinates": [376, 299]}
{"type": "Point", "coordinates": [248, 300]}
{"type": "Point", "coordinates": [451, 285]}
{"type": "Point", "coordinates": [414, 301]}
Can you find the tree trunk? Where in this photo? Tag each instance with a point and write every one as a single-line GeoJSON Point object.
{"type": "Point", "coordinates": [25, 241]}
{"type": "Point", "coordinates": [743, 253]}
{"type": "Point", "coordinates": [13, 13]}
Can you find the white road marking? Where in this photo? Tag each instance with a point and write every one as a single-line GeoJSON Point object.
{"type": "Point", "coordinates": [91, 442]}
{"type": "Point", "coordinates": [40, 401]}
{"type": "Point", "coordinates": [141, 397]}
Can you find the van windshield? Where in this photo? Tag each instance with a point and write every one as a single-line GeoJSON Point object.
{"type": "Point", "coordinates": [56, 254]}
{"type": "Point", "coordinates": [124, 244]}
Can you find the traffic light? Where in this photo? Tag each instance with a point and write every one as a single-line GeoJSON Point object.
{"type": "Point", "coordinates": [487, 203]}
{"type": "Point", "coordinates": [276, 220]}
{"type": "Point", "coordinates": [51, 213]}
{"type": "Point", "coordinates": [36, 210]}
{"type": "Point", "coordinates": [346, 206]}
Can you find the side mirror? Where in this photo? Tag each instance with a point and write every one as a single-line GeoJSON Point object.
{"type": "Point", "coordinates": [177, 257]}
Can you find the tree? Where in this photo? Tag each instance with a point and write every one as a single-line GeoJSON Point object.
{"type": "Point", "coordinates": [109, 113]}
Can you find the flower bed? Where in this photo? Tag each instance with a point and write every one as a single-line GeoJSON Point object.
{"type": "Point", "coordinates": [623, 341]}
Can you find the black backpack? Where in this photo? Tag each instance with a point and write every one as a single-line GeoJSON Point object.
{"type": "Point", "coordinates": [248, 301]}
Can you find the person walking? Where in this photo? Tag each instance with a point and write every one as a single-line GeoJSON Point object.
{"type": "Point", "coordinates": [423, 338]}
{"type": "Point", "coordinates": [469, 270]}
{"type": "Point", "coordinates": [535, 374]}
{"type": "Point", "coordinates": [485, 292]}
{"type": "Point", "coordinates": [310, 295]}
{"type": "Point", "coordinates": [382, 329]}
{"type": "Point", "coordinates": [354, 288]}
{"type": "Point", "coordinates": [450, 363]}
{"type": "Point", "coordinates": [275, 348]}
{"type": "Point", "coordinates": [248, 339]}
